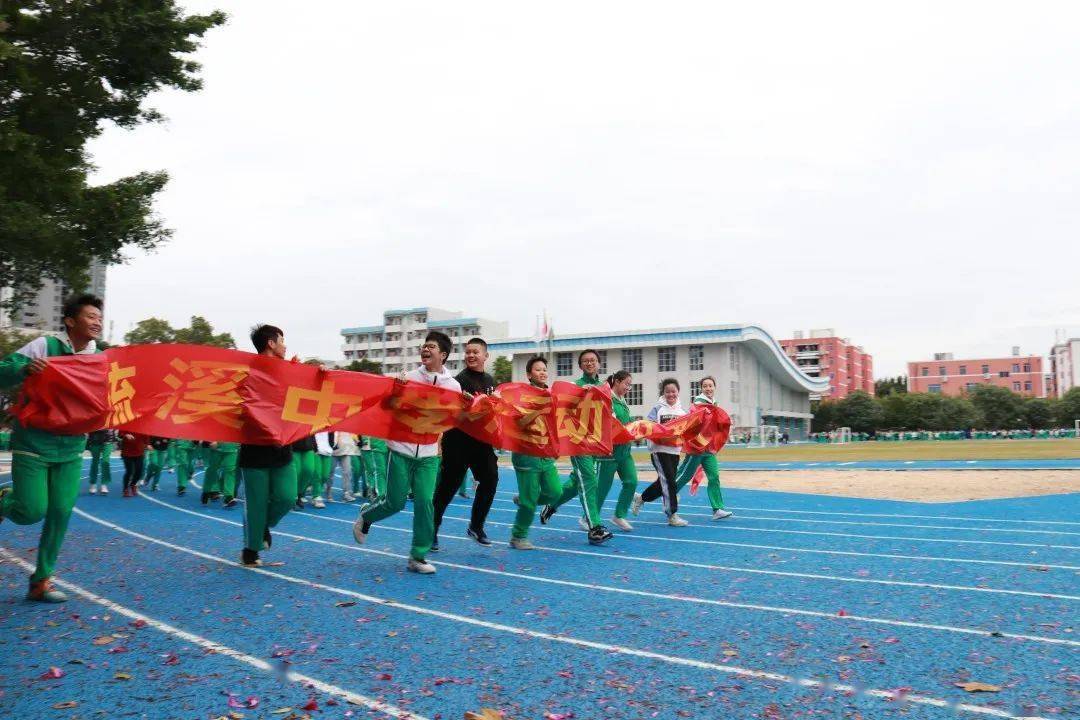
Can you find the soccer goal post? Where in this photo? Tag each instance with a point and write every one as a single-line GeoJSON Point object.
{"type": "Point", "coordinates": [766, 435]}
{"type": "Point", "coordinates": [842, 435]}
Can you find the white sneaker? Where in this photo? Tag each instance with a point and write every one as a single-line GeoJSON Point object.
{"type": "Point", "coordinates": [635, 506]}
{"type": "Point", "coordinates": [583, 524]}
{"type": "Point", "coordinates": [676, 521]}
{"type": "Point", "coordinates": [348, 497]}
{"type": "Point", "coordinates": [521, 544]}
{"type": "Point", "coordinates": [358, 531]}
{"type": "Point", "coordinates": [104, 490]}
{"type": "Point", "coordinates": [93, 489]}
{"type": "Point", "coordinates": [317, 502]}
{"type": "Point", "coordinates": [722, 514]}
{"type": "Point", "coordinates": [622, 524]}
{"type": "Point", "coordinates": [517, 500]}
{"type": "Point", "coordinates": [420, 566]}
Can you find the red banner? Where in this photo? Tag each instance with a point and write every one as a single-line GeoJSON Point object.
{"type": "Point", "coordinates": [206, 393]}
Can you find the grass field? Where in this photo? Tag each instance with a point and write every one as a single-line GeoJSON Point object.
{"type": "Point", "coordinates": [941, 450]}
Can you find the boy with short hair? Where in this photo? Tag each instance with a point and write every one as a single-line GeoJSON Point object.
{"type": "Point", "coordinates": [413, 467]}
{"type": "Point", "coordinates": [46, 467]}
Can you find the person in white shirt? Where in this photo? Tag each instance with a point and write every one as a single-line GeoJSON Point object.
{"type": "Point", "coordinates": [665, 456]}
{"type": "Point", "coordinates": [411, 467]}
{"type": "Point", "coordinates": [345, 449]}
{"type": "Point", "coordinates": [324, 468]}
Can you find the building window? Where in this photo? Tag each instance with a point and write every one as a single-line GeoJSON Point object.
{"type": "Point", "coordinates": [635, 396]}
{"type": "Point", "coordinates": [971, 386]}
{"type": "Point", "coordinates": [631, 360]}
{"type": "Point", "coordinates": [1027, 367]}
{"type": "Point", "coordinates": [733, 357]}
{"type": "Point", "coordinates": [564, 364]}
{"type": "Point", "coordinates": [942, 371]}
{"type": "Point", "coordinates": [665, 359]}
{"type": "Point", "coordinates": [1016, 367]}
{"type": "Point", "coordinates": [602, 369]}
{"type": "Point", "coordinates": [695, 388]}
{"type": "Point", "coordinates": [963, 369]}
{"type": "Point", "coordinates": [985, 369]}
{"type": "Point", "coordinates": [1027, 385]}
{"type": "Point", "coordinates": [1003, 373]}
{"type": "Point", "coordinates": [697, 357]}
{"type": "Point", "coordinates": [734, 392]}
{"type": "Point", "coordinates": [925, 371]}
{"type": "Point", "coordinates": [1016, 386]}
{"type": "Point", "coordinates": [935, 388]}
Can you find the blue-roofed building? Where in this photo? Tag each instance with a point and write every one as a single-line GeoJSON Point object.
{"type": "Point", "coordinates": [395, 343]}
{"type": "Point", "coordinates": [757, 383]}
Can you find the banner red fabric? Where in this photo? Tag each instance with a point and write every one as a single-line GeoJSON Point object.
{"type": "Point", "coordinates": [206, 393]}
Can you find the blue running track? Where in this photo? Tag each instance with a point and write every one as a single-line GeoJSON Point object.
{"type": "Point", "coordinates": [800, 606]}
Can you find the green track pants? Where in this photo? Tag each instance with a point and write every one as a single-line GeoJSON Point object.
{"type": "Point", "coordinates": [184, 462]}
{"type": "Point", "coordinates": [221, 473]}
{"type": "Point", "coordinates": [269, 495]}
{"type": "Point", "coordinates": [155, 462]}
{"type": "Point", "coordinates": [407, 474]}
{"type": "Point", "coordinates": [686, 472]}
{"type": "Point", "coordinates": [375, 467]}
{"type": "Point", "coordinates": [542, 486]}
{"type": "Point", "coordinates": [42, 490]}
{"type": "Point", "coordinates": [621, 462]}
{"type": "Point", "coordinates": [303, 462]}
{"type": "Point", "coordinates": [582, 483]}
{"type": "Point", "coordinates": [324, 472]}
{"type": "Point", "coordinates": [359, 478]}
{"type": "Point", "coordinates": [100, 467]}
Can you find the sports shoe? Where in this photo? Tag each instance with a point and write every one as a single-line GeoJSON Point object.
{"type": "Point", "coordinates": [635, 506]}
{"type": "Point", "coordinates": [250, 558]}
{"type": "Point", "coordinates": [583, 524]}
{"type": "Point", "coordinates": [126, 493]}
{"type": "Point", "coordinates": [104, 490]}
{"type": "Point", "coordinates": [230, 502]}
{"type": "Point", "coordinates": [464, 495]}
{"type": "Point", "coordinates": [420, 566]}
{"type": "Point", "coordinates": [204, 498]}
{"type": "Point", "coordinates": [93, 489]}
{"type": "Point", "coordinates": [154, 487]}
{"type": "Point", "coordinates": [622, 524]}
{"type": "Point", "coordinates": [299, 503]}
{"type": "Point", "coordinates": [268, 540]}
{"type": "Point", "coordinates": [360, 530]}
{"type": "Point", "coordinates": [180, 492]}
{"type": "Point", "coordinates": [599, 535]}
{"type": "Point", "coordinates": [135, 490]}
{"type": "Point", "coordinates": [434, 544]}
{"type": "Point", "coordinates": [479, 536]}
{"type": "Point", "coordinates": [517, 500]}
{"type": "Point", "coordinates": [44, 591]}
{"type": "Point", "coordinates": [521, 544]}
{"type": "Point", "coordinates": [675, 521]}
{"type": "Point", "coordinates": [215, 496]}
{"type": "Point", "coordinates": [546, 514]}
{"type": "Point", "coordinates": [317, 502]}
{"type": "Point", "coordinates": [348, 497]}
{"type": "Point", "coordinates": [721, 514]}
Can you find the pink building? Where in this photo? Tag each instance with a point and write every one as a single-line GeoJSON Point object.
{"type": "Point", "coordinates": [1023, 374]}
{"type": "Point", "coordinates": [825, 355]}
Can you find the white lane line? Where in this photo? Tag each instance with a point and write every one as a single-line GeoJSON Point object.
{"type": "Point", "coordinates": [642, 593]}
{"type": "Point", "coordinates": [577, 642]}
{"type": "Point", "coordinates": [729, 527]}
{"type": "Point", "coordinates": [219, 649]}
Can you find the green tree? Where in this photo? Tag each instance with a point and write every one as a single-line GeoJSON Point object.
{"type": "Point", "coordinates": [890, 386]}
{"type": "Point", "coordinates": [202, 333]}
{"type": "Point", "coordinates": [999, 408]}
{"type": "Point", "coordinates": [859, 412]}
{"type": "Point", "coordinates": [1068, 408]}
{"type": "Point", "coordinates": [69, 68]}
{"type": "Point", "coordinates": [1039, 413]}
{"type": "Point", "coordinates": [896, 411]}
{"type": "Point", "coordinates": [150, 330]}
{"type": "Point", "coordinates": [365, 365]}
{"type": "Point", "coordinates": [503, 371]}
{"type": "Point", "coordinates": [824, 419]}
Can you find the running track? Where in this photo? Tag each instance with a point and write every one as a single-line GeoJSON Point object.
{"type": "Point", "coordinates": [802, 606]}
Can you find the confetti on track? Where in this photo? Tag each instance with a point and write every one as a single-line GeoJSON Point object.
{"type": "Point", "coordinates": [852, 611]}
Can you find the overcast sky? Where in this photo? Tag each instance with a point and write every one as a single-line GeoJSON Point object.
{"type": "Point", "coordinates": [906, 174]}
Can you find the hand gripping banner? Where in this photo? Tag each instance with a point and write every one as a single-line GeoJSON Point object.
{"type": "Point", "coordinates": [205, 393]}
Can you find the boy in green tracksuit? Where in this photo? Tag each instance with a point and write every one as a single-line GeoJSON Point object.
{"type": "Point", "coordinates": [46, 468]}
{"type": "Point", "coordinates": [159, 448]}
{"type": "Point", "coordinates": [537, 477]}
{"type": "Point", "coordinates": [101, 444]}
{"type": "Point", "coordinates": [413, 467]}
{"type": "Point", "coordinates": [621, 460]}
{"type": "Point", "coordinates": [706, 460]}
{"type": "Point", "coordinates": [185, 462]}
{"type": "Point", "coordinates": [375, 456]}
{"type": "Point", "coordinates": [582, 480]}
{"type": "Point", "coordinates": [303, 462]}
